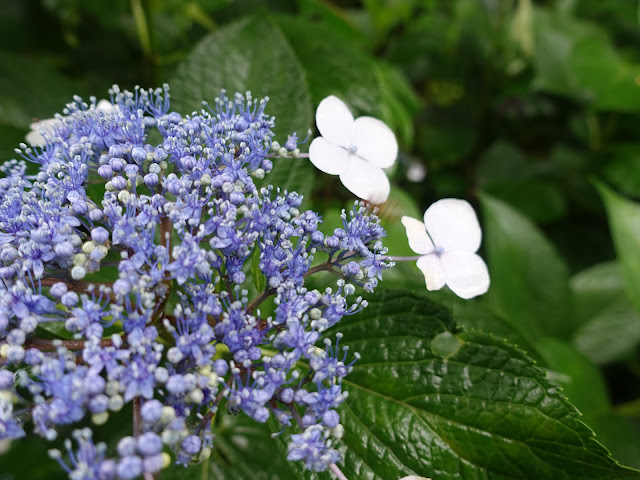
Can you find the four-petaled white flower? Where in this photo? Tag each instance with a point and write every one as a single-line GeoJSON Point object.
{"type": "Point", "coordinates": [356, 150]}
{"type": "Point", "coordinates": [49, 125]}
{"type": "Point", "coordinates": [447, 241]}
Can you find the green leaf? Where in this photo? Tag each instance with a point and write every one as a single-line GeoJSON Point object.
{"type": "Point", "coordinates": [252, 55]}
{"type": "Point", "coordinates": [580, 379]}
{"type": "Point", "coordinates": [10, 138]}
{"type": "Point", "coordinates": [428, 399]}
{"type": "Point", "coordinates": [249, 54]}
{"type": "Point", "coordinates": [291, 174]}
{"type": "Point", "coordinates": [18, 461]}
{"type": "Point", "coordinates": [333, 66]}
{"type": "Point", "coordinates": [25, 95]}
{"type": "Point", "coordinates": [476, 315]}
{"type": "Point", "coordinates": [610, 325]}
{"type": "Point", "coordinates": [624, 222]}
{"type": "Point", "coordinates": [622, 168]}
{"type": "Point", "coordinates": [242, 449]}
{"type": "Point", "coordinates": [334, 18]}
{"type": "Point", "coordinates": [585, 387]}
{"type": "Point", "coordinates": [508, 174]}
{"type": "Point", "coordinates": [577, 59]}
{"type": "Point", "coordinates": [259, 280]}
{"type": "Point", "coordinates": [399, 103]}
{"type": "Point", "coordinates": [529, 279]}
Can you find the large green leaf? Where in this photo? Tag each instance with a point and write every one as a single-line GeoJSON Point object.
{"type": "Point", "coordinates": [621, 167]}
{"type": "Point", "coordinates": [529, 279]}
{"type": "Point", "coordinates": [242, 449]}
{"type": "Point", "coordinates": [30, 90]}
{"type": "Point", "coordinates": [252, 55]}
{"type": "Point", "coordinates": [291, 174]}
{"type": "Point", "coordinates": [585, 387]}
{"type": "Point", "coordinates": [624, 221]}
{"type": "Point", "coordinates": [577, 59]}
{"type": "Point", "coordinates": [477, 315]}
{"type": "Point", "coordinates": [508, 174]}
{"type": "Point", "coordinates": [609, 324]}
{"type": "Point", "coordinates": [333, 66]}
{"type": "Point", "coordinates": [428, 399]}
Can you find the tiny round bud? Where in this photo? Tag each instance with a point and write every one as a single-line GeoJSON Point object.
{"type": "Point", "coordinates": [151, 411]}
{"type": "Point", "coordinates": [124, 196]}
{"type": "Point", "coordinates": [69, 299]}
{"type": "Point", "coordinates": [100, 235]}
{"type": "Point", "coordinates": [96, 215]}
{"type": "Point", "coordinates": [151, 180]}
{"type": "Point", "coordinates": [191, 444]}
{"type": "Point", "coordinates": [64, 249]}
{"type": "Point", "coordinates": [119, 183]}
{"type": "Point", "coordinates": [105, 171]}
{"type": "Point", "coordinates": [174, 355]}
{"type": "Point", "coordinates": [6, 379]}
{"type": "Point", "coordinates": [149, 444]}
{"type": "Point", "coordinates": [168, 414]}
{"type": "Point", "coordinates": [100, 418]}
{"type": "Point", "coordinates": [88, 247]}
{"type": "Point", "coordinates": [139, 154]}
{"type": "Point", "coordinates": [78, 272]}
{"type": "Point", "coordinates": [331, 418]}
{"type": "Point", "coordinates": [116, 402]}
{"type": "Point", "coordinates": [220, 367]}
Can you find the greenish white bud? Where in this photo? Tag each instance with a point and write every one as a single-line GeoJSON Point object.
{"type": "Point", "coordinates": [116, 403]}
{"type": "Point", "coordinates": [78, 272]}
{"type": "Point", "coordinates": [100, 418]}
{"type": "Point", "coordinates": [80, 259]}
{"type": "Point", "coordinates": [168, 414]}
{"type": "Point", "coordinates": [88, 247]}
{"type": "Point", "coordinates": [124, 195]}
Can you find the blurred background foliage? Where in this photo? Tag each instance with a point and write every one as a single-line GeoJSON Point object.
{"type": "Point", "coordinates": [529, 109]}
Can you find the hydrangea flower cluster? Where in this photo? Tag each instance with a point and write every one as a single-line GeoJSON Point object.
{"type": "Point", "coordinates": [144, 273]}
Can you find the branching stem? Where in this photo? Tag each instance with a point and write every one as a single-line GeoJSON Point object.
{"type": "Point", "coordinates": [259, 299]}
{"type": "Point", "coordinates": [52, 345]}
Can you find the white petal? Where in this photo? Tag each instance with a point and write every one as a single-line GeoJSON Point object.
{"type": "Point", "coordinates": [328, 157]}
{"type": "Point", "coordinates": [35, 139]}
{"type": "Point", "coordinates": [365, 180]}
{"type": "Point", "coordinates": [48, 125]}
{"type": "Point", "coordinates": [335, 121]}
{"type": "Point", "coordinates": [375, 141]}
{"type": "Point", "coordinates": [419, 241]}
{"type": "Point", "coordinates": [104, 106]}
{"type": "Point", "coordinates": [431, 268]}
{"type": "Point", "coordinates": [453, 225]}
{"type": "Point", "coordinates": [467, 274]}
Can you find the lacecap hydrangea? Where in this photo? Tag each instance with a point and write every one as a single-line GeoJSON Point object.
{"type": "Point", "coordinates": [133, 268]}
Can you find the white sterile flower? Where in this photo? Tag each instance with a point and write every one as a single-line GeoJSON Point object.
{"type": "Point", "coordinates": [447, 241]}
{"type": "Point", "coordinates": [35, 136]}
{"type": "Point", "coordinates": [49, 125]}
{"type": "Point", "coordinates": [356, 150]}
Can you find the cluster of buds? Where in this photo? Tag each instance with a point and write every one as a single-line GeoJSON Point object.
{"type": "Point", "coordinates": [145, 275]}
